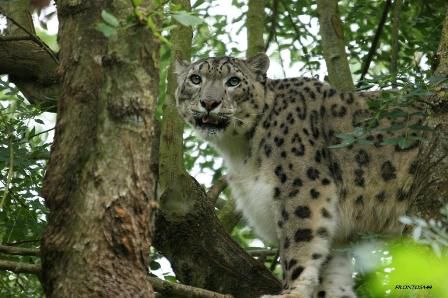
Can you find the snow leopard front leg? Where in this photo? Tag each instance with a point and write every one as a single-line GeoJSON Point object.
{"type": "Point", "coordinates": [307, 221]}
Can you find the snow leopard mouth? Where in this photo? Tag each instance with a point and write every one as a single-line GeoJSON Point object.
{"type": "Point", "coordinates": [211, 122]}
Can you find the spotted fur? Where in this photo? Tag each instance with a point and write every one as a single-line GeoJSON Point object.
{"type": "Point", "coordinates": [274, 136]}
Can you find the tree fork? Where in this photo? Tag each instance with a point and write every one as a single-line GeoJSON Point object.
{"type": "Point", "coordinates": [99, 187]}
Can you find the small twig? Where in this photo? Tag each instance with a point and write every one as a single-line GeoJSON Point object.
{"type": "Point", "coordinates": [22, 251]}
{"type": "Point", "coordinates": [38, 134]}
{"type": "Point", "coordinates": [33, 37]}
{"type": "Point", "coordinates": [280, 56]}
{"type": "Point", "coordinates": [22, 242]}
{"type": "Point", "coordinates": [216, 189]}
{"type": "Point", "coordinates": [15, 38]}
{"type": "Point", "coordinates": [10, 172]}
{"type": "Point", "coordinates": [293, 24]}
{"type": "Point", "coordinates": [375, 42]}
{"type": "Point", "coordinates": [261, 252]}
{"type": "Point", "coordinates": [273, 24]}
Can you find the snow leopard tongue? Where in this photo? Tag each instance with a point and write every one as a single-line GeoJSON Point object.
{"type": "Point", "coordinates": [208, 119]}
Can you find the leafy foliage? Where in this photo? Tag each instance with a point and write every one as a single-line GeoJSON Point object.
{"type": "Point", "coordinates": [23, 151]}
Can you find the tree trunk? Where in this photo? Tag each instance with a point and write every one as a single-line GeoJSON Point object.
{"type": "Point", "coordinates": [99, 187]}
{"type": "Point", "coordinates": [432, 169]}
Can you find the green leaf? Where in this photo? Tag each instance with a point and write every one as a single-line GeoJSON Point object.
{"type": "Point", "coordinates": [170, 278]}
{"type": "Point", "coordinates": [404, 143]}
{"type": "Point", "coordinates": [187, 19]}
{"type": "Point", "coordinates": [421, 127]}
{"type": "Point", "coordinates": [363, 141]}
{"type": "Point", "coordinates": [107, 30]}
{"type": "Point", "coordinates": [393, 127]}
{"type": "Point", "coordinates": [197, 3]}
{"type": "Point", "coordinates": [390, 141]}
{"type": "Point", "coordinates": [341, 145]}
{"type": "Point", "coordinates": [39, 121]}
{"type": "Point", "coordinates": [395, 113]}
{"type": "Point", "coordinates": [110, 19]}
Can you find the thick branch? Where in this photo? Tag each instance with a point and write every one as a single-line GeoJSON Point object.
{"type": "Point", "coordinates": [19, 267]}
{"type": "Point", "coordinates": [255, 28]}
{"type": "Point", "coordinates": [201, 252]}
{"type": "Point", "coordinates": [22, 251]}
{"type": "Point", "coordinates": [375, 42]}
{"type": "Point", "coordinates": [333, 45]}
{"type": "Point", "coordinates": [171, 163]}
{"type": "Point", "coordinates": [161, 286]}
{"type": "Point", "coordinates": [27, 60]}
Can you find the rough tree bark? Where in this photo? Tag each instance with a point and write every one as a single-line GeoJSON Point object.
{"type": "Point", "coordinates": [98, 186]}
{"type": "Point", "coordinates": [333, 45]}
{"type": "Point", "coordinates": [189, 234]}
{"type": "Point", "coordinates": [431, 187]}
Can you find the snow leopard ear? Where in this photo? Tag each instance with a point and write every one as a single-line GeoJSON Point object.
{"type": "Point", "coordinates": [259, 63]}
{"type": "Point", "coordinates": [180, 66]}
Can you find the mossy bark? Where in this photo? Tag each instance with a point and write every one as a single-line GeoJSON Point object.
{"type": "Point", "coordinates": [99, 187]}
{"type": "Point", "coordinates": [255, 27]}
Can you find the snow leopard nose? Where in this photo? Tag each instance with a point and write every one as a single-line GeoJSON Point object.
{"type": "Point", "coordinates": [209, 104]}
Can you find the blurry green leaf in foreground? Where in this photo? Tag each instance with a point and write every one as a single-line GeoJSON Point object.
{"type": "Point", "coordinates": [413, 272]}
{"type": "Point", "coordinates": [187, 19]}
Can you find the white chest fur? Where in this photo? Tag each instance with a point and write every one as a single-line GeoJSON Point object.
{"type": "Point", "coordinates": [254, 198]}
{"type": "Point", "coordinates": [252, 192]}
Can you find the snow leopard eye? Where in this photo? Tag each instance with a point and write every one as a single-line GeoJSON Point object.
{"type": "Point", "coordinates": [233, 81]}
{"type": "Point", "coordinates": [195, 79]}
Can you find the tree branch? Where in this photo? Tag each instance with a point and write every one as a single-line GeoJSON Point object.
{"type": "Point", "coordinates": [217, 188]}
{"type": "Point", "coordinates": [26, 59]}
{"type": "Point", "coordinates": [14, 38]}
{"type": "Point", "coordinates": [22, 251]}
{"type": "Point", "coordinates": [20, 267]}
{"type": "Point", "coordinates": [375, 42]}
{"type": "Point", "coordinates": [333, 45]}
{"type": "Point", "coordinates": [164, 287]}
{"type": "Point", "coordinates": [31, 35]}
{"type": "Point", "coordinates": [171, 289]}
{"type": "Point", "coordinates": [273, 24]}
{"type": "Point", "coordinates": [395, 45]}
